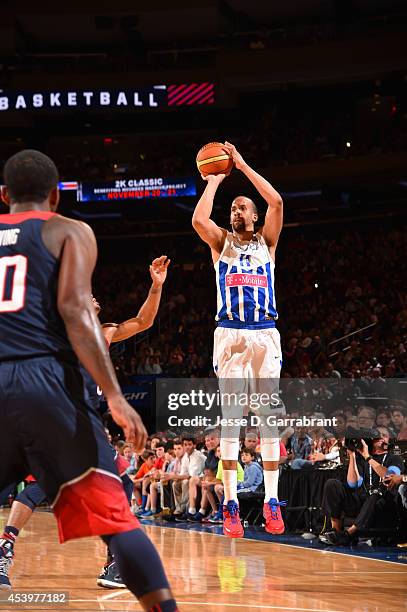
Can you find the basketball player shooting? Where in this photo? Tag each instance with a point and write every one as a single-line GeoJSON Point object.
{"type": "Point", "coordinates": [246, 341]}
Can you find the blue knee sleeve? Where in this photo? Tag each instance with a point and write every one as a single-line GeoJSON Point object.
{"type": "Point", "coordinates": [32, 496]}
{"type": "Point", "coordinates": [138, 561]}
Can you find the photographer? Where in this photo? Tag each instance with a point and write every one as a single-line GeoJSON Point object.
{"type": "Point", "coordinates": [398, 482]}
{"type": "Point", "coordinates": [363, 497]}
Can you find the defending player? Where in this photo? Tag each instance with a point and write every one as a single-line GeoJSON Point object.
{"type": "Point", "coordinates": [246, 342]}
{"type": "Point", "coordinates": [48, 323]}
{"type": "Point", "coordinates": [32, 496]}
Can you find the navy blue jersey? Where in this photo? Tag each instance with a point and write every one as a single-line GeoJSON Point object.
{"type": "Point", "coordinates": [30, 325]}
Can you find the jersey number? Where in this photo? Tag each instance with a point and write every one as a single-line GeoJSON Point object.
{"type": "Point", "coordinates": [15, 265]}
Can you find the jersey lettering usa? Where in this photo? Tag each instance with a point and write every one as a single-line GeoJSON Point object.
{"type": "Point", "coordinates": [245, 284]}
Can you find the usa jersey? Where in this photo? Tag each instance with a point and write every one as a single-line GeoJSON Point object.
{"type": "Point", "coordinates": [30, 325]}
{"type": "Point", "coordinates": [245, 284]}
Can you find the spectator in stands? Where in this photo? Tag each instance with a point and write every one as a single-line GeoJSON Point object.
{"type": "Point", "coordinates": [300, 446]}
{"type": "Point", "coordinates": [253, 472]}
{"type": "Point", "coordinates": [283, 454]}
{"type": "Point", "coordinates": [156, 489]}
{"type": "Point", "coordinates": [192, 464]}
{"type": "Point", "coordinates": [140, 493]}
{"type": "Point", "coordinates": [352, 421]}
{"type": "Point", "coordinates": [326, 448]}
{"type": "Point", "coordinates": [212, 439]}
{"type": "Point", "coordinates": [383, 418]}
{"type": "Point", "coordinates": [120, 446]}
{"type": "Point", "coordinates": [399, 418]}
{"type": "Point", "coordinates": [160, 455]}
{"type": "Point", "coordinates": [377, 382]}
{"type": "Point", "coordinates": [174, 468]}
{"type": "Point", "coordinates": [366, 417]}
{"type": "Point", "coordinates": [131, 457]}
{"type": "Point", "coordinates": [340, 428]}
{"type": "Point", "coordinates": [154, 440]}
{"type": "Point", "coordinates": [154, 475]}
{"type": "Point", "coordinates": [251, 441]}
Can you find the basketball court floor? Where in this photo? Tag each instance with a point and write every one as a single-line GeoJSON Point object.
{"type": "Point", "coordinates": [210, 573]}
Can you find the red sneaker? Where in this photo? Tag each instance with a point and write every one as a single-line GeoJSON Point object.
{"type": "Point", "coordinates": [232, 527]}
{"type": "Point", "coordinates": [272, 514]}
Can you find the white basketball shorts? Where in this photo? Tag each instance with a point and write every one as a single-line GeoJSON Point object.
{"type": "Point", "coordinates": [247, 353]}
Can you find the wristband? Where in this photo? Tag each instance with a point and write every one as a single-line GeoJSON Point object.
{"type": "Point", "coordinates": [368, 458]}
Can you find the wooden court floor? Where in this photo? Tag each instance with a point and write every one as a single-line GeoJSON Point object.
{"type": "Point", "coordinates": [210, 573]}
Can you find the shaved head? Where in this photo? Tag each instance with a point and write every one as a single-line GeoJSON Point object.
{"type": "Point", "coordinates": [243, 214]}
{"type": "Point", "coordinates": [247, 201]}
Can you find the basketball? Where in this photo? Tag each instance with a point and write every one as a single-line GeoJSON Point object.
{"type": "Point", "coordinates": [213, 158]}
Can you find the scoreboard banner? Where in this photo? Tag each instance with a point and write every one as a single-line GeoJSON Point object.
{"type": "Point", "coordinates": [135, 189]}
{"type": "Point", "coordinates": [142, 98]}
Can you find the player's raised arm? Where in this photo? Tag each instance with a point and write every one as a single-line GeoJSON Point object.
{"type": "Point", "coordinates": [273, 222]}
{"type": "Point", "coordinates": [202, 223]}
{"type": "Point", "coordinates": [148, 311]}
{"type": "Point", "coordinates": [74, 300]}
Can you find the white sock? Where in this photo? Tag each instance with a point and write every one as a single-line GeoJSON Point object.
{"type": "Point", "coordinates": [270, 485]}
{"type": "Point", "coordinates": [192, 510]}
{"type": "Point", "coordinates": [202, 511]}
{"type": "Point", "coordinates": [230, 485]}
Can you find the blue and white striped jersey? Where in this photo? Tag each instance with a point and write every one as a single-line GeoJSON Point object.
{"type": "Point", "coordinates": [245, 284]}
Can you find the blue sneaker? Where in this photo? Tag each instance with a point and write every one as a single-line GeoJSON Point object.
{"type": "Point", "coordinates": [110, 577]}
{"type": "Point", "coordinates": [140, 512]}
{"type": "Point", "coordinates": [146, 513]}
{"type": "Point", "coordinates": [219, 516]}
{"type": "Point", "coordinates": [216, 518]}
{"type": "Point", "coordinates": [195, 518]}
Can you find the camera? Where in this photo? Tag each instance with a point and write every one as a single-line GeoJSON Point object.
{"type": "Point", "coordinates": [354, 437]}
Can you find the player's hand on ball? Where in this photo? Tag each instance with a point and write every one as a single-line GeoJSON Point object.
{"type": "Point", "coordinates": [158, 270]}
{"type": "Point", "coordinates": [237, 158]}
{"type": "Point", "coordinates": [214, 178]}
{"type": "Point", "coordinates": [129, 420]}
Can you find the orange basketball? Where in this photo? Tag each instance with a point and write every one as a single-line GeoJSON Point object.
{"type": "Point", "coordinates": [213, 158]}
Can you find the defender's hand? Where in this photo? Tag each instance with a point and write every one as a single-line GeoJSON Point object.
{"type": "Point", "coordinates": [158, 270]}
{"type": "Point", "coordinates": [129, 420]}
{"type": "Point", "coordinates": [237, 158]}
